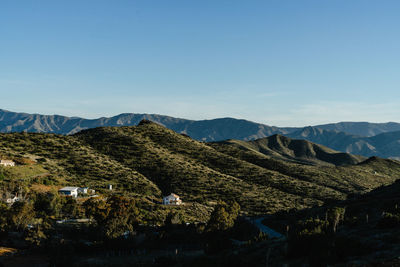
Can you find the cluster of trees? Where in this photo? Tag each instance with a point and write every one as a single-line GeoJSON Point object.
{"type": "Point", "coordinates": [112, 220]}
{"type": "Point", "coordinates": [115, 217]}
{"type": "Point", "coordinates": [317, 239]}
{"type": "Point", "coordinates": [36, 216]}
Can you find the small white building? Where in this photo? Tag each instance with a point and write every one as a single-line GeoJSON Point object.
{"type": "Point", "coordinates": [172, 199]}
{"type": "Point", "coordinates": [7, 163]}
{"type": "Point", "coordinates": [69, 191]}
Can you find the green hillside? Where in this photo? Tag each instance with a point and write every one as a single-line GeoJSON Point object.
{"type": "Point", "coordinates": [300, 151]}
{"type": "Point", "coordinates": [151, 160]}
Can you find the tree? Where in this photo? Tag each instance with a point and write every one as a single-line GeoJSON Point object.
{"type": "Point", "coordinates": [48, 204]}
{"type": "Point", "coordinates": [96, 209]}
{"type": "Point", "coordinates": [22, 213]}
{"type": "Point", "coordinates": [334, 216]}
{"type": "Point", "coordinates": [115, 217]}
{"type": "Point", "coordinates": [224, 216]}
{"type": "Point", "coordinates": [70, 208]}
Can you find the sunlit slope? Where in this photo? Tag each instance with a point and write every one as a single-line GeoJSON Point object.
{"type": "Point", "coordinates": [69, 162]}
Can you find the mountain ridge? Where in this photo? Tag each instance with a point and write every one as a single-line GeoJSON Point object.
{"type": "Point", "coordinates": [205, 130]}
{"type": "Point", "coordinates": [330, 135]}
{"type": "Point", "coordinates": [22, 121]}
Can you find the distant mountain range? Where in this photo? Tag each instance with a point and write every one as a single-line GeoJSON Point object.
{"type": "Point", "coordinates": [204, 130]}
{"type": "Point", "coordinates": [361, 128]}
{"type": "Point", "coordinates": [362, 138]}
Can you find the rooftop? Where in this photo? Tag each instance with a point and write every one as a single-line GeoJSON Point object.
{"type": "Point", "coordinates": [69, 188]}
{"type": "Point", "coordinates": [173, 195]}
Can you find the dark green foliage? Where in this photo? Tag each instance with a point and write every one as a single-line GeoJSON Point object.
{"type": "Point", "coordinates": [49, 204]}
{"type": "Point", "coordinates": [223, 217]}
{"type": "Point", "coordinates": [2, 175]}
{"type": "Point", "coordinates": [70, 208]}
{"type": "Point", "coordinates": [115, 217]}
{"type": "Point", "coordinates": [4, 213]}
{"type": "Point", "coordinates": [21, 214]}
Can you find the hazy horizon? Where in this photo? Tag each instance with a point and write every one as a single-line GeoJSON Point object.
{"type": "Point", "coordinates": [283, 63]}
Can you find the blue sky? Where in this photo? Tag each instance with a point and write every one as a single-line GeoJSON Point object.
{"type": "Point", "coordinates": [279, 62]}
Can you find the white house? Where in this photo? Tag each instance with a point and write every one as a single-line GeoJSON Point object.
{"type": "Point", "coordinates": [6, 163]}
{"type": "Point", "coordinates": [69, 191]}
{"type": "Point", "coordinates": [172, 199]}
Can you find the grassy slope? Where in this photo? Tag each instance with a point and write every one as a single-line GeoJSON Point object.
{"type": "Point", "coordinates": [150, 160]}
{"type": "Point", "coordinates": [69, 162]}
{"type": "Point", "coordinates": [300, 151]}
{"type": "Point", "coordinates": [193, 169]}
{"type": "Point", "coordinates": [358, 178]}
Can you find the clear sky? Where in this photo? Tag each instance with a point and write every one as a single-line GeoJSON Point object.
{"type": "Point", "coordinates": [279, 62]}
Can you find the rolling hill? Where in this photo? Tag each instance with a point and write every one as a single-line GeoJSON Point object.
{"type": "Point", "coordinates": [150, 160]}
{"type": "Point", "coordinates": [300, 151]}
